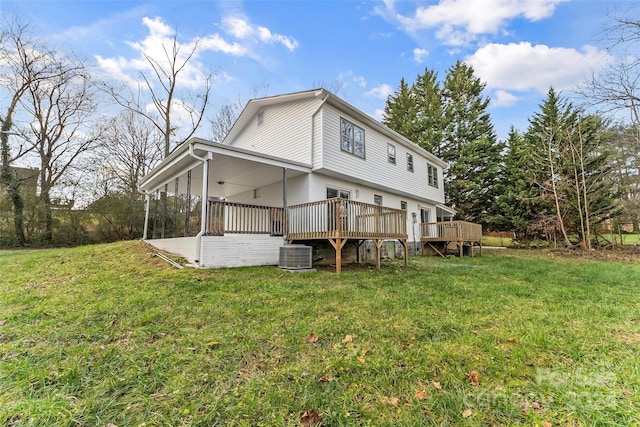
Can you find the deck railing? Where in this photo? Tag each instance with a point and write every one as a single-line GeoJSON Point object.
{"type": "Point", "coordinates": [453, 231]}
{"type": "Point", "coordinates": [239, 218]}
{"type": "Point", "coordinates": [343, 218]}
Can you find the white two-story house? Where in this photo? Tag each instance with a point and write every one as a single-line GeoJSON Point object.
{"type": "Point", "coordinates": [303, 167]}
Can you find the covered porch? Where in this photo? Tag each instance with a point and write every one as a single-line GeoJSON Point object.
{"type": "Point", "coordinates": [200, 206]}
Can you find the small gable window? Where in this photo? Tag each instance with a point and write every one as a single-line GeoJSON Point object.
{"type": "Point", "coordinates": [260, 118]}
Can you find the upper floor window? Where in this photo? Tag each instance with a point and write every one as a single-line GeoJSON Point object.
{"type": "Point", "coordinates": [260, 118]}
{"type": "Point", "coordinates": [391, 153]}
{"type": "Point", "coordinates": [352, 138]}
{"type": "Point", "coordinates": [377, 199]}
{"type": "Point", "coordinates": [432, 172]}
{"type": "Point", "coordinates": [403, 205]}
{"type": "Point", "coordinates": [410, 162]}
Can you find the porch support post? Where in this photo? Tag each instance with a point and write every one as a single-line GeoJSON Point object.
{"type": "Point", "coordinates": [337, 245]}
{"type": "Point", "coordinates": [204, 208]}
{"type": "Point", "coordinates": [285, 223]}
{"type": "Point", "coordinates": [146, 215]}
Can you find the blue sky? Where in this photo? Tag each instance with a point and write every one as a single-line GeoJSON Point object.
{"type": "Point", "coordinates": [519, 48]}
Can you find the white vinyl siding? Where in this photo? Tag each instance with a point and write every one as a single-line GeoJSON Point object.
{"type": "Point", "coordinates": [366, 194]}
{"type": "Point", "coordinates": [376, 170]}
{"type": "Point", "coordinates": [285, 131]}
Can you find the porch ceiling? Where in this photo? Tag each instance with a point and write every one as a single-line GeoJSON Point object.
{"type": "Point", "coordinates": [231, 170]}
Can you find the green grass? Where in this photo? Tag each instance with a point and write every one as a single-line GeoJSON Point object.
{"type": "Point", "coordinates": [109, 334]}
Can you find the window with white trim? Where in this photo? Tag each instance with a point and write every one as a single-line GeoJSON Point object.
{"type": "Point", "coordinates": [351, 138]}
{"type": "Point", "coordinates": [391, 153]}
{"type": "Point", "coordinates": [432, 173]}
{"type": "Point", "coordinates": [336, 192]}
{"type": "Point", "coordinates": [410, 162]}
{"type": "Point", "coordinates": [377, 199]}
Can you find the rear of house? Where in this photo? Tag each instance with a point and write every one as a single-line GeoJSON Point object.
{"type": "Point", "coordinates": [297, 149]}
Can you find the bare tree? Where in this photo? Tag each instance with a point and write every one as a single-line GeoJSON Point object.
{"type": "Point", "coordinates": [61, 109]}
{"type": "Point", "coordinates": [162, 83]}
{"type": "Point", "coordinates": [23, 63]}
{"type": "Point", "coordinates": [129, 148]}
{"type": "Point", "coordinates": [224, 119]}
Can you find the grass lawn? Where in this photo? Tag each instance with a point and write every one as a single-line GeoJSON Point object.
{"type": "Point", "coordinates": [109, 334]}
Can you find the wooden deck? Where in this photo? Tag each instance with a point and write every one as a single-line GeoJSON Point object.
{"type": "Point", "coordinates": [340, 220]}
{"type": "Point", "coordinates": [436, 236]}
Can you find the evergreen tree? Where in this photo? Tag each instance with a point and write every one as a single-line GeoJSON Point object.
{"type": "Point", "coordinates": [427, 97]}
{"type": "Point", "coordinates": [518, 204]}
{"type": "Point", "coordinates": [572, 168]}
{"type": "Point", "coordinates": [469, 145]}
{"type": "Point", "coordinates": [400, 112]}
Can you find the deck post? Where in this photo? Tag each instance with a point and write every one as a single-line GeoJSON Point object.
{"type": "Point", "coordinates": [337, 245]}
{"type": "Point", "coordinates": [378, 243]}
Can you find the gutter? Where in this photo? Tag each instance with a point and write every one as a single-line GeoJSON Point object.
{"type": "Point", "coordinates": [204, 204]}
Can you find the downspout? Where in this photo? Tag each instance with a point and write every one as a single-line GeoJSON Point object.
{"type": "Point", "coordinates": [146, 215]}
{"type": "Point", "coordinates": [204, 204]}
{"type": "Point", "coordinates": [313, 117]}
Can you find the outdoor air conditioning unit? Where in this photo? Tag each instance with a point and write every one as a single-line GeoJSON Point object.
{"type": "Point", "coordinates": [295, 257]}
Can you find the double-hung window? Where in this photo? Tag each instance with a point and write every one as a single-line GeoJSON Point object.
{"type": "Point", "coordinates": [351, 138]}
{"type": "Point", "coordinates": [410, 162]}
{"type": "Point", "coordinates": [391, 153]}
{"type": "Point", "coordinates": [432, 173]}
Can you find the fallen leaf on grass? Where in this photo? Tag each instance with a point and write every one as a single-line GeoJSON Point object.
{"type": "Point", "coordinates": [512, 340]}
{"type": "Point", "coordinates": [627, 393]}
{"type": "Point", "coordinates": [536, 405]}
{"type": "Point", "coordinates": [326, 379]}
{"type": "Point", "coordinates": [473, 377]}
{"type": "Point", "coordinates": [312, 338]}
{"type": "Point", "coordinates": [393, 401]}
{"type": "Point", "coordinates": [213, 343]}
{"type": "Point", "coordinates": [437, 385]}
{"type": "Point", "coordinates": [545, 424]}
{"type": "Point", "coordinates": [3, 322]}
{"type": "Point", "coordinates": [310, 418]}
{"type": "Point", "coordinates": [467, 413]}
{"type": "Point", "coordinates": [361, 359]}
{"type": "Point", "coordinates": [420, 395]}
{"type": "Point", "coordinates": [348, 338]}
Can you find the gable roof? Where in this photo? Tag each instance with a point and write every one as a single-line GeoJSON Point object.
{"type": "Point", "coordinates": [257, 104]}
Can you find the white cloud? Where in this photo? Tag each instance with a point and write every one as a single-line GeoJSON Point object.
{"type": "Point", "coordinates": [159, 38]}
{"type": "Point", "coordinates": [523, 67]}
{"type": "Point", "coordinates": [242, 29]}
{"type": "Point", "coordinates": [216, 43]}
{"type": "Point", "coordinates": [349, 76]}
{"type": "Point", "coordinates": [460, 21]}
{"type": "Point", "coordinates": [378, 114]}
{"type": "Point", "coordinates": [502, 98]}
{"type": "Point", "coordinates": [383, 91]}
{"type": "Point", "coordinates": [419, 54]}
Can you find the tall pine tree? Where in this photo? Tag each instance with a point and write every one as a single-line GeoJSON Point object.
{"type": "Point", "coordinates": [469, 145]}
{"type": "Point", "coordinates": [400, 111]}
{"type": "Point", "coordinates": [452, 122]}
